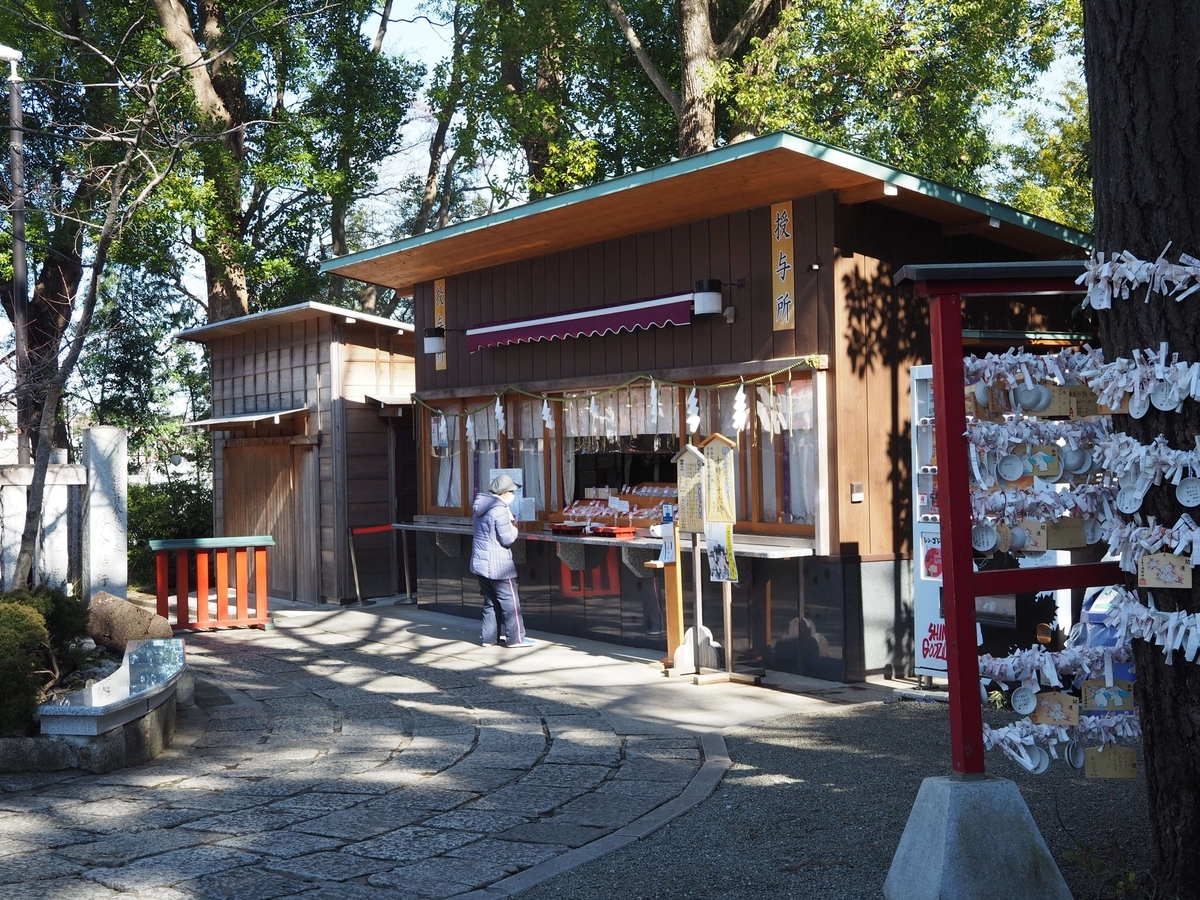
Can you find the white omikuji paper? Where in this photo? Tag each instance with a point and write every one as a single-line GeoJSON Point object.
{"type": "Point", "coordinates": [718, 538]}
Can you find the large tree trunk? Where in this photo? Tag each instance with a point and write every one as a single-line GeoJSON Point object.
{"type": "Point", "coordinates": [220, 94]}
{"type": "Point", "coordinates": [1143, 82]}
{"type": "Point", "coordinates": [698, 109]}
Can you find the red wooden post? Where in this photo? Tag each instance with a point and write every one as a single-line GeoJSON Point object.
{"type": "Point", "coordinates": [202, 588]}
{"type": "Point", "coordinates": [243, 580]}
{"type": "Point", "coordinates": [161, 561]}
{"type": "Point", "coordinates": [260, 583]}
{"type": "Point", "coordinates": [958, 574]}
{"type": "Point", "coordinates": [222, 564]}
{"type": "Point", "coordinates": [182, 619]}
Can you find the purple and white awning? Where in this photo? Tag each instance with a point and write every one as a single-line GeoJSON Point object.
{"type": "Point", "coordinates": [674, 310]}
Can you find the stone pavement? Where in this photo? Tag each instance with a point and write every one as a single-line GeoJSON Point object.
{"type": "Point", "coordinates": [377, 753]}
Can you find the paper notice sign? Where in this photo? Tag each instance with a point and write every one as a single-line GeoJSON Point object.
{"type": "Point", "coordinates": [1060, 404]}
{"type": "Point", "coordinates": [1164, 570]}
{"type": "Point", "coordinates": [1098, 697]}
{"type": "Point", "coordinates": [1121, 408]}
{"type": "Point", "coordinates": [718, 539]}
{"type": "Point", "coordinates": [1113, 762]}
{"type": "Point", "coordinates": [931, 555]}
{"type": "Point", "coordinates": [1056, 708]}
{"type": "Point", "coordinates": [1065, 534]}
{"type": "Point", "coordinates": [1083, 402]}
{"type": "Point", "coordinates": [618, 505]}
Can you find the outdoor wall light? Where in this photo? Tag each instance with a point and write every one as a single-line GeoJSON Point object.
{"type": "Point", "coordinates": [707, 300]}
{"type": "Point", "coordinates": [435, 339]}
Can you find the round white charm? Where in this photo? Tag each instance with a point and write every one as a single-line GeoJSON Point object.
{"type": "Point", "coordinates": [1075, 755]}
{"type": "Point", "coordinates": [1093, 531]}
{"type": "Point", "coordinates": [1026, 398]}
{"type": "Point", "coordinates": [1187, 491]}
{"type": "Point", "coordinates": [1011, 467]}
{"type": "Point", "coordinates": [1044, 396]}
{"type": "Point", "coordinates": [1023, 701]}
{"type": "Point", "coordinates": [983, 538]}
{"type": "Point", "coordinates": [1163, 397]}
{"type": "Point", "coordinates": [1076, 461]}
{"type": "Point", "coordinates": [1129, 500]}
{"type": "Point", "coordinates": [1139, 405]}
{"type": "Point", "coordinates": [1041, 760]}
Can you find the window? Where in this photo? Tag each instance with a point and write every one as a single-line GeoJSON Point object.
{"type": "Point", "coordinates": [788, 451]}
{"type": "Point", "coordinates": [445, 445]}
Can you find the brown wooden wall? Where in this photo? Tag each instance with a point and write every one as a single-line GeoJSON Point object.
{"type": "Point", "coordinates": [637, 267]}
{"type": "Point", "coordinates": [879, 333]}
{"type": "Point", "coordinates": [279, 367]}
{"type": "Point", "coordinates": [371, 366]}
{"type": "Point", "coordinates": [847, 309]}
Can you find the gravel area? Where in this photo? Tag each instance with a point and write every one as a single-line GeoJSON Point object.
{"type": "Point", "coordinates": [814, 806]}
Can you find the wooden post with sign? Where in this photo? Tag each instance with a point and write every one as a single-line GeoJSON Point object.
{"type": "Point", "coordinates": [689, 463]}
{"type": "Point", "coordinates": [720, 515]}
{"type": "Point", "coordinates": [668, 561]}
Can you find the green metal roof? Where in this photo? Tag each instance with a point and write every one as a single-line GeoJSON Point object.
{"type": "Point", "coordinates": [713, 159]}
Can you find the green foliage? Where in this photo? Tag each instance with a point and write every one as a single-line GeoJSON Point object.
{"type": "Point", "coordinates": [1049, 174]}
{"type": "Point", "coordinates": [64, 616]}
{"type": "Point", "coordinates": [174, 509]}
{"type": "Point", "coordinates": [22, 636]}
{"type": "Point", "coordinates": [901, 81]}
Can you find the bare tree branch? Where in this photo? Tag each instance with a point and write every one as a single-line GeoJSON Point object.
{"type": "Point", "coordinates": [668, 92]}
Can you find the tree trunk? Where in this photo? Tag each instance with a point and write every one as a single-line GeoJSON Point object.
{"type": "Point", "coordinates": [698, 110]}
{"type": "Point", "coordinates": [220, 94]}
{"type": "Point", "coordinates": [1142, 84]}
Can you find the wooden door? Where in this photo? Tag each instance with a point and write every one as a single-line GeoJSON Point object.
{"type": "Point", "coordinates": [259, 499]}
{"type": "Point", "coordinates": [307, 528]}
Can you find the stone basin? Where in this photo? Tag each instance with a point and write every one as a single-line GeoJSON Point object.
{"type": "Point", "coordinates": [145, 680]}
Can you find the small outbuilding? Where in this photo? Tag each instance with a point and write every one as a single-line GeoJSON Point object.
{"type": "Point", "coordinates": [312, 435]}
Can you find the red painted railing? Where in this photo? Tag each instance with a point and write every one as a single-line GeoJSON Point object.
{"type": "Point", "coordinates": [219, 548]}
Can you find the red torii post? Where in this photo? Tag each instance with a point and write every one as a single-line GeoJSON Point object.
{"type": "Point", "coordinates": [945, 286]}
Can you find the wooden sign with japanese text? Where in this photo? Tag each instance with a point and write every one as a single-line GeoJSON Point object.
{"type": "Point", "coordinates": [783, 259]}
{"type": "Point", "coordinates": [689, 465]}
{"type": "Point", "coordinates": [720, 479]}
{"type": "Point", "coordinates": [439, 318]}
{"type": "Point", "coordinates": [1113, 762]}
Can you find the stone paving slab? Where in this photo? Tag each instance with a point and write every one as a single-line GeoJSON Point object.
{"type": "Point", "coordinates": [364, 756]}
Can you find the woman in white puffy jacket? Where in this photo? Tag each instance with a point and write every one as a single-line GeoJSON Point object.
{"type": "Point", "coordinates": [495, 531]}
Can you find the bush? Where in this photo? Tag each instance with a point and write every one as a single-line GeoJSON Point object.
{"type": "Point", "coordinates": [65, 617]}
{"type": "Point", "coordinates": [23, 636]}
{"type": "Point", "coordinates": [171, 510]}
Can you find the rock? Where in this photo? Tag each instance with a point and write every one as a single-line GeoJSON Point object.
{"type": "Point", "coordinates": [35, 754]}
{"type": "Point", "coordinates": [113, 623]}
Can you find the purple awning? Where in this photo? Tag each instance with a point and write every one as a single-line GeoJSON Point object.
{"type": "Point", "coordinates": [675, 310]}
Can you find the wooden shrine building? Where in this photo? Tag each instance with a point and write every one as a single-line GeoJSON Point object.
{"type": "Point", "coordinates": [577, 329]}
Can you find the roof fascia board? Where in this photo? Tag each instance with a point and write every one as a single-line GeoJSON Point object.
{"type": "Point", "coordinates": [778, 140]}
{"type": "Point", "coordinates": [261, 319]}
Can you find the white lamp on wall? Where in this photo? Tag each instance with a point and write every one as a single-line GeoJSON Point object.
{"type": "Point", "coordinates": [435, 339]}
{"type": "Point", "coordinates": [707, 300]}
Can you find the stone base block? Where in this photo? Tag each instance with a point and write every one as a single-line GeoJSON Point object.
{"type": "Point", "coordinates": [972, 840]}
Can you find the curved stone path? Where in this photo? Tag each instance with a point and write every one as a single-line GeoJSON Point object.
{"type": "Point", "coordinates": [387, 761]}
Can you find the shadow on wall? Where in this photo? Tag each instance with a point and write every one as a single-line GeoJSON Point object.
{"type": "Point", "coordinates": [887, 332]}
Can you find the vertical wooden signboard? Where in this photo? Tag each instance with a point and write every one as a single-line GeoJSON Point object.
{"type": "Point", "coordinates": [689, 465]}
{"type": "Point", "coordinates": [720, 473]}
{"type": "Point", "coordinates": [783, 281]}
{"type": "Point", "coordinates": [439, 318]}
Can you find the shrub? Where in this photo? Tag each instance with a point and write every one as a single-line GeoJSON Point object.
{"type": "Point", "coordinates": [171, 510]}
{"type": "Point", "coordinates": [65, 616]}
{"type": "Point", "coordinates": [23, 636]}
